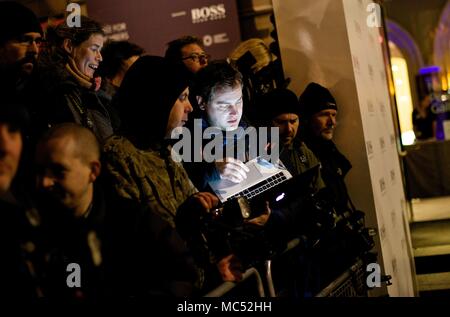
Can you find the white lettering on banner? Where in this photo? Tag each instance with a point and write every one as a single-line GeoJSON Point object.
{"type": "Point", "coordinates": [107, 29]}
{"type": "Point", "coordinates": [122, 36]}
{"type": "Point", "coordinates": [219, 38]}
{"type": "Point", "coordinates": [115, 28]}
{"type": "Point", "coordinates": [178, 14]}
{"type": "Point", "coordinates": [210, 13]}
{"type": "Point", "coordinates": [116, 32]}
{"type": "Point", "coordinates": [119, 27]}
{"type": "Point", "coordinates": [207, 40]}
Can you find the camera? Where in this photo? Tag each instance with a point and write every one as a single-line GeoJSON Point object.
{"type": "Point", "coordinates": [228, 230]}
{"type": "Point", "coordinates": [232, 213]}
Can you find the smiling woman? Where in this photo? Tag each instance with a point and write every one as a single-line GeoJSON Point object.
{"type": "Point", "coordinates": [87, 55]}
{"type": "Point", "coordinates": [69, 82]}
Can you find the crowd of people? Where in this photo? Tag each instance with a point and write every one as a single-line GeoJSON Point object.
{"type": "Point", "coordinates": [88, 176]}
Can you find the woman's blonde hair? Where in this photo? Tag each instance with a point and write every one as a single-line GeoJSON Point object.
{"type": "Point", "coordinates": [258, 49]}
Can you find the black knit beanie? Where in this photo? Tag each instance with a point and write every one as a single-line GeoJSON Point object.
{"type": "Point", "coordinates": [278, 101]}
{"type": "Point", "coordinates": [315, 98]}
{"type": "Point", "coordinates": [15, 20]}
{"type": "Point", "coordinates": [146, 96]}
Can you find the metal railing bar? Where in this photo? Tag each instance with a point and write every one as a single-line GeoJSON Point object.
{"type": "Point", "coordinates": [228, 286]}
{"type": "Point", "coordinates": [340, 279]}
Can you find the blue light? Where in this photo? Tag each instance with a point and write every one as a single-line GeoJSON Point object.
{"type": "Point", "coordinates": [429, 70]}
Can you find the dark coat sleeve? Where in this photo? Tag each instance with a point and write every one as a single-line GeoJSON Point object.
{"type": "Point", "coordinates": [150, 257]}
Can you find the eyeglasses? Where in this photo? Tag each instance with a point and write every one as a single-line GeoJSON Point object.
{"type": "Point", "coordinates": [28, 40]}
{"type": "Point", "coordinates": [195, 57]}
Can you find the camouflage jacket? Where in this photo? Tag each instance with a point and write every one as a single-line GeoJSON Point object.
{"type": "Point", "coordinates": [150, 177]}
{"type": "Point", "coordinates": [298, 158]}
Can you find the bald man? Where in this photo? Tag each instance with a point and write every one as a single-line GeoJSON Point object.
{"type": "Point", "coordinates": [69, 161]}
{"type": "Point", "coordinates": [120, 247]}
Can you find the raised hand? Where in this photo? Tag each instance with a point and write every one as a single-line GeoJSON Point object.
{"type": "Point", "coordinates": [232, 169]}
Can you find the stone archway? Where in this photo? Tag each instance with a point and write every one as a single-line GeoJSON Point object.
{"type": "Point", "coordinates": [441, 49]}
{"type": "Point", "coordinates": [409, 50]}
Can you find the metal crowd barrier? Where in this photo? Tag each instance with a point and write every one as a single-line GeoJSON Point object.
{"type": "Point", "coordinates": [351, 283]}
{"type": "Point", "coordinates": [228, 286]}
{"type": "Point", "coordinates": [268, 266]}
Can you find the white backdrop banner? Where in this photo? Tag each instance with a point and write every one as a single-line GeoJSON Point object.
{"type": "Point", "coordinates": [331, 42]}
{"type": "Point", "coordinates": [362, 20]}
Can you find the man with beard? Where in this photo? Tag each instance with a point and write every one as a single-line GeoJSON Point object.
{"type": "Point", "coordinates": [318, 111]}
{"type": "Point", "coordinates": [20, 37]}
{"type": "Point", "coordinates": [280, 109]}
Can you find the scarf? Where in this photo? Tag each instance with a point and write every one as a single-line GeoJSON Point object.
{"type": "Point", "coordinates": [82, 79]}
